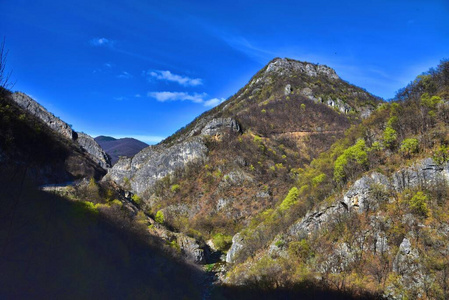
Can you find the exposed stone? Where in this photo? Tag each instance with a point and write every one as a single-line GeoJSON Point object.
{"type": "Point", "coordinates": [34, 108]}
{"type": "Point", "coordinates": [422, 173]}
{"type": "Point", "coordinates": [285, 66]}
{"type": "Point", "coordinates": [222, 203]}
{"type": "Point", "coordinates": [155, 162]}
{"type": "Point", "coordinates": [95, 151]}
{"type": "Point", "coordinates": [218, 125]}
{"type": "Point", "coordinates": [237, 245]}
{"type": "Point", "coordinates": [359, 195]}
{"type": "Point", "coordinates": [307, 92]}
{"type": "Point", "coordinates": [85, 141]}
{"type": "Point", "coordinates": [288, 89]}
{"type": "Point", "coordinates": [313, 221]}
{"type": "Point", "coordinates": [191, 249]}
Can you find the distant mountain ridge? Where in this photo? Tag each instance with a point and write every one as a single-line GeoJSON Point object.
{"type": "Point", "coordinates": [120, 147]}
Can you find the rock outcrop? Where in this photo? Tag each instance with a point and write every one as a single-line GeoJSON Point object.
{"type": "Point", "coordinates": [85, 141]}
{"type": "Point", "coordinates": [282, 65]}
{"type": "Point", "coordinates": [155, 162]}
{"type": "Point", "coordinates": [362, 196]}
{"type": "Point", "coordinates": [237, 245]}
{"type": "Point", "coordinates": [218, 125]}
{"type": "Point", "coordinates": [34, 108]}
{"type": "Point", "coordinates": [95, 151]}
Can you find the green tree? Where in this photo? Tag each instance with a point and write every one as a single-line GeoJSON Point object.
{"type": "Point", "coordinates": [441, 155]}
{"type": "Point", "coordinates": [175, 188]}
{"type": "Point", "coordinates": [409, 146]}
{"type": "Point", "coordinates": [430, 102]}
{"type": "Point", "coordinates": [136, 199]}
{"type": "Point", "coordinates": [390, 137]}
{"type": "Point", "coordinates": [159, 217]}
{"type": "Point", "coordinates": [93, 191]}
{"type": "Point", "coordinates": [418, 204]}
{"type": "Point", "coordinates": [291, 199]}
{"type": "Point", "coordinates": [353, 159]}
{"type": "Point", "coordinates": [222, 242]}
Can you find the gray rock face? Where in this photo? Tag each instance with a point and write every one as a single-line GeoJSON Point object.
{"type": "Point", "coordinates": [85, 141]}
{"type": "Point", "coordinates": [27, 103]}
{"type": "Point", "coordinates": [155, 162]}
{"type": "Point", "coordinates": [237, 245]}
{"type": "Point", "coordinates": [313, 221]}
{"type": "Point", "coordinates": [422, 173]}
{"type": "Point", "coordinates": [95, 151]}
{"type": "Point", "coordinates": [191, 249]}
{"type": "Point", "coordinates": [288, 89]}
{"type": "Point", "coordinates": [218, 125]}
{"type": "Point", "coordinates": [359, 196]}
{"type": "Point", "coordinates": [284, 66]}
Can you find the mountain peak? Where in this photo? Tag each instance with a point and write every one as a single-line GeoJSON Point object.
{"type": "Point", "coordinates": [286, 66]}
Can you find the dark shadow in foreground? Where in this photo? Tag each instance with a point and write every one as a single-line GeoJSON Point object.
{"type": "Point", "coordinates": [53, 248]}
{"type": "Point", "coordinates": [305, 290]}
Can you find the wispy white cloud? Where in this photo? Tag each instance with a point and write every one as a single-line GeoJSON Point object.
{"type": "Point", "coordinates": [137, 95]}
{"type": "Point", "coordinates": [169, 76]}
{"type": "Point", "coordinates": [177, 96]}
{"type": "Point", "coordinates": [98, 42]}
{"type": "Point", "coordinates": [213, 102]}
{"type": "Point", "coordinates": [247, 47]}
{"type": "Point", "coordinates": [125, 75]}
{"type": "Point", "coordinates": [183, 96]}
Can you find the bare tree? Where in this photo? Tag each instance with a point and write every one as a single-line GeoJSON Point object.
{"type": "Point", "coordinates": [4, 74]}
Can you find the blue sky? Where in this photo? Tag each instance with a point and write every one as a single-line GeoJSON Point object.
{"type": "Point", "coordinates": [146, 68]}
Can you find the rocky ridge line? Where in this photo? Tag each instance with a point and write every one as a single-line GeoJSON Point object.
{"type": "Point", "coordinates": [85, 141]}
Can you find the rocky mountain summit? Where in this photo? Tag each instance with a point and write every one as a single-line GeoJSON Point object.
{"type": "Point", "coordinates": [239, 158]}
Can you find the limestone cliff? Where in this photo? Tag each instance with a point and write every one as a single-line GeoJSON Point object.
{"type": "Point", "coordinates": [59, 126]}
{"type": "Point", "coordinates": [154, 163]}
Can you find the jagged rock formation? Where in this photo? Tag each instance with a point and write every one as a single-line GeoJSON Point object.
{"type": "Point", "coordinates": [155, 162]}
{"type": "Point", "coordinates": [218, 125]}
{"type": "Point", "coordinates": [284, 66]}
{"type": "Point", "coordinates": [34, 108]}
{"type": "Point", "coordinates": [39, 146]}
{"type": "Point", "coordinates": [237, 245]}
{"type": "Point", "coordinates": [92, 147]}
{"type": "Point", "coordinates": [359, 198]}
{"type": "Point", "coordinates": [59, 126]}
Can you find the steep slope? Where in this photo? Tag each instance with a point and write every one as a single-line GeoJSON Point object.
{"type": "Point", "coordinates": [52, 247]}
{"type": "Point", "coordinates": [240, 158]}
{"type": "Point", "coordinates": [120, 147]}
{"type": "Point", "coordinates": [85, 141]}
{"type": "Point", "coordinates": [368, 215]}
{"type": "Point", "coordinates": [33, 140]}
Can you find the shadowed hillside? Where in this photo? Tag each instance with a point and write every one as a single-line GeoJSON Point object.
{"type": "Point", "coordinates": [53, 248]}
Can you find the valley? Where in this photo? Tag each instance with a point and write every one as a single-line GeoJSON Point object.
{"type": "Point", "coordinates": [299, 185]}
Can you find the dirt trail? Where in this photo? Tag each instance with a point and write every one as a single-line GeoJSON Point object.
{"type": "Point", "coordinates": [299, 134]}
